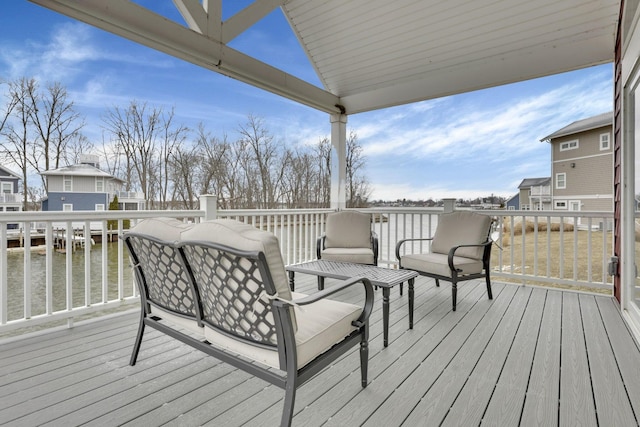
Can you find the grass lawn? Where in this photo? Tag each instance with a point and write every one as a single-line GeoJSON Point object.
{"type": "Point", "coordinates": [551, 255]}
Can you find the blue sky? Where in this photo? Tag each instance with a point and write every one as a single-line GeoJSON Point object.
{"type": "Point", "coordinates": [467, 145]}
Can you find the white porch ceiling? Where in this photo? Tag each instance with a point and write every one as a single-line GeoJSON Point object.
{"type": "Point", "coordinates": [371, 54]}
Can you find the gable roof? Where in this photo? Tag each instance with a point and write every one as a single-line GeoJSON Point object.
{"type": "Point", "coordinates": [372, 54]}
{"type": "Point", "coordinates": [532, 182]}
{"type": "Point", "coordinates": [8, 173]}
{"type": "Point", "coordinates": [81, 169]}
{"type": "Point", "coordinates": [595, 122]}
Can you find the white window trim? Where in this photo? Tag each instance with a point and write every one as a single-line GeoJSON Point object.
{"type": "Point", "coordinates": [6, 187]}
{"type": "Point", "coordinates": [99, 207]}
{"type": "Point", "coordinates": [608, 141]}
{"type": "Point", "coordinates": [100, 180]}
{"type": "Point", "coordinates": [557, 202]}
{"type": "Point", "coordinates": [67, 207]}
{"type": "Point", "coordinates": [66, 179]}
{"type": "Point", "coordinates": [566, 146]}
{"type": "Point", "coordinates": [564, 180]}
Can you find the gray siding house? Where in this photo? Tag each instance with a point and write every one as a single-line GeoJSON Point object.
{"type": "Point", "coordinates": [10, 197]}
{"type": "Point", "coordinates": [535, 194]}
{"type": "Point", "coordinates": [84, 187]}
{"type": "Point", "coordinates": [582, 165]}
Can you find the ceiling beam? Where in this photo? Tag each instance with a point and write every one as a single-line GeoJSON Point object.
{"type": "Point", "coordinates": [131, 21]}
{"type": "Point", "coordinates": [238, 23]}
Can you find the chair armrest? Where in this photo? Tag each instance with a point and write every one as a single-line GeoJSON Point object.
{"type": "Point", "coordinates": [453, 250]}
{"type": "Point", "coordinates": [403, 241]}
{"type": "Point", "coordinates": [310, 299]}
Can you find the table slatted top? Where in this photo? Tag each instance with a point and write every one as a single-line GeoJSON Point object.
{"type": "Point", "coordinates": [379, 276]}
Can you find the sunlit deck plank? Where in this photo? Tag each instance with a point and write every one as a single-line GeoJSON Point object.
{"type": "Point", "coordinates": [460, 366]}
{"type": "Point", "coordinates": [472, 401]}
{"type": "Point", "coordinates": [608, 386]}
{"type": "Point", "coordinates": [575, 384]}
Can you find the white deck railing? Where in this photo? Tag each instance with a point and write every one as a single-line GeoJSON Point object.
{"type": "Point", "coordinates": [42, 284]}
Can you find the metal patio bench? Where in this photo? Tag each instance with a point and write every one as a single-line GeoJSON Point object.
{"type": "Point", "coordinates": [221, 287]}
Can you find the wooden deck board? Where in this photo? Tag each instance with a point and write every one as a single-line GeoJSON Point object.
{"type": "Point", "coordinates": [627, 357]}
{"type": "Point", "coordinates": [472, 401]}
{"type": "Point", "coordinates": [608, 387]}
{"type": "Point", "coordinates": [575, 384]}
{"type": "Point", "coordinates": [541, 404]}
{"type": "Point", "coordinates": [530, 356]}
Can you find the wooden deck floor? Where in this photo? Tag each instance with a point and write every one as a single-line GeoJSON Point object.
{"type": "Point", "coordinates": [529, 357]}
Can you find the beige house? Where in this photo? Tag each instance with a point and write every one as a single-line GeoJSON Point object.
{"type": "Point", "coordinates": [582, 165]}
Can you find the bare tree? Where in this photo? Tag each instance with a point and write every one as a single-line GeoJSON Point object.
{"type": "Point", "coordinates": [18, 146]}
{"type": "Point", "coordinates": [323, 158]}
{"type": "Point", "coordinates": [358, 188]}
{"type": "Point", "coordinates": [171, 139]}
{"type": "Point", "coordinates": [268, 161]}
{"type": "Point", "coordinates": [134, 132]}
{"type": "Point", "coordinates": [56, 124]}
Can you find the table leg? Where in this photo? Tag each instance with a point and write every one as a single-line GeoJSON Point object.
{"type": "Point", "coordinates": [411, 281]}
{"type": "Point", "coordinates": [292, 282]}
{"type": "Point", "coordinates": [385, 315]}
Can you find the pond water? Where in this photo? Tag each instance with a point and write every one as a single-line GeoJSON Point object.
{"type": "Point", "coordinates": [37, 268]}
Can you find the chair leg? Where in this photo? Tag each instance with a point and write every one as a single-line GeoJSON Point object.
{"type": "Point", "coordinates": [320, 283]}
{"type": "Point", "coordinates": [454, 294]}
{"type": "Point", "coordinates": [364, 355]}
{"type": "Point", "coordinates": [489, 286]}
{"type": "Point", "coordinates": [401, 286]}
{"type": "Point", "coordinates": [138, 342]}
{"type": "Point", "coordinates": [438, 282]}
{"type": "Point", "coordinates": [289, 401]}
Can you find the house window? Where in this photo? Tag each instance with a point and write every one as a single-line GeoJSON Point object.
{"type": "Point", "coordinates": [67, 182]}
{"type": "Point", "coordinates": [67, 207]}
{"type": "Point", "coordinates": [560, 204]}
{"type": "Point", "coordinates": [100, 207]}
{"type": "Point", "coordinates": [100, 185]}
{"type": "Point", "coordinates": [604, 141]}
{"type": "Point", "coordinates": [7, 188]}
{"type": "Point", "coordinates": [569, 145]}
{"type": "Point", "coordinates": [561, 181]}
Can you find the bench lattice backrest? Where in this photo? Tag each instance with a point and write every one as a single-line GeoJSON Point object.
{"type": "Point", "coordinates": [233, 291]}
{"type": "Point", "coordinates": [164, 277]}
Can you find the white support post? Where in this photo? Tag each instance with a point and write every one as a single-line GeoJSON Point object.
{"type": "Point", "coordinates": [338, 161]}
{"type": "Point", "coordinates": [449, 205]}
{"type": "Point", "coordinates": [209, 204]}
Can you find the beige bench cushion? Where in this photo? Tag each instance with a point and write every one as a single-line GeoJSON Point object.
{"type": "Point", "coordinates": [167, 229]}
{"type": "Point", "coordinates": [244, 237]}
{"type": "Point", "coordinates": [348, 229]}
{"type": "Point", "coordinates": [461, 228]}
{"type": "Point", "coordinates": [320, 326]}
{"type": "Point", "coordinates": [438, 264]}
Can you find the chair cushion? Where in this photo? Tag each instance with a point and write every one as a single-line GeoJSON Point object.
{"type": "Point", "coordinates": [320, 326]}
{"type": "Point", "coordinates": [438, 264]}
{"type": "Point", "coordinates": [461, 228]}
{"type": "Point", "coordinates": [355, 255]}
{"type": "Point", "coordinates": [348, 229]}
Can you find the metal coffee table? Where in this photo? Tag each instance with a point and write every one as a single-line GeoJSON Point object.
{"type": "Point", "coordinates": [385, 278]}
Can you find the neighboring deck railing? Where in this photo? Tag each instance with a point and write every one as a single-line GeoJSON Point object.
{"type": "Point", "coordinates": [90, 279]}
